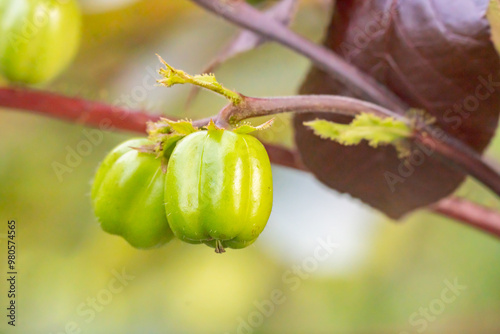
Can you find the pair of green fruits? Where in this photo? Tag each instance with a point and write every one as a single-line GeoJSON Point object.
{"type": "Point", "coordinates": [217, 190]}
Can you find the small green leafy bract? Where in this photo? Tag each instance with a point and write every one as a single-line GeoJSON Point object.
{"type": "Point", "coordinates": [376, 130]}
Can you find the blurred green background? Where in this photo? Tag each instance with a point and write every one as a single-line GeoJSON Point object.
{"type": "Point", "coordinates": [382, 276]}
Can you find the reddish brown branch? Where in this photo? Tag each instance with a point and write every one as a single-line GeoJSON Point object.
{"type": "Point", "coordinates": [90, 113]}
{"type": "Point", "coordinates": [75, 110]}
{"type": "Point", "coordinates": [462, 157]}
{"type": "Point", "coordinates": [471, 214]}
{"type": "Point", "coordinates": [78, 110]}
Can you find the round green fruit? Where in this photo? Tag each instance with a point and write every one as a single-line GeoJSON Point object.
{"type": "Point", "coordinates": [127, 196]}
{"type": "Point", "coordinates": [39, 38]}
{"type": "Point", "coordinates": [218, 189]}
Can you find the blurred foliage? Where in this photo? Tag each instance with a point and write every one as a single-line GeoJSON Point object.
{"type": "Point", "coordinates": [64, 257]}
{"type": "Point", "coordinates": [256, 2]}
{"type": "Point", "coordinates": [494, 18]}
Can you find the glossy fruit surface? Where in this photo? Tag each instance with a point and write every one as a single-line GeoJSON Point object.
{"type": "Point", "coordinates": [38, 38]}
{"type": "Point", "coordinates": [127, 196]}
{"type": "Point", "coordinates": [218, 189]}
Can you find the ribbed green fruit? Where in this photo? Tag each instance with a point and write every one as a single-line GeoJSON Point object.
{"type": "Point", "coordinates": [218, 189]}
{"type": "Point", "coordinates": [128, 194]}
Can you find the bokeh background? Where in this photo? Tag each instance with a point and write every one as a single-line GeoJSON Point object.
{"type": "Point", "coordinates": [380, 277]}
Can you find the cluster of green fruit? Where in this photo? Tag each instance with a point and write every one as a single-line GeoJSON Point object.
{"type": "Point", "coordinates": [216, 190]}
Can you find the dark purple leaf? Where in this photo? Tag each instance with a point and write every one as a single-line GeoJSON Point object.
{"type": "Point", "coordinates": [435, 55]}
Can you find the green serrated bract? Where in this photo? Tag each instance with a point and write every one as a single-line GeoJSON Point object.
{"type": "Point", "coordinates": [182, 127]}
{"type": "Point", "coordinates": [375, 130]}
{"type": "Point", "coordinates": [248, 128]}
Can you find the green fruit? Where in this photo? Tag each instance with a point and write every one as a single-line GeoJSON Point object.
{"type": "Point", "coordinates": [38, 38]}
{"type": "Point", "coordinates": [127, 196]}
{"type": "Point", "coordinates": [218, 189]}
